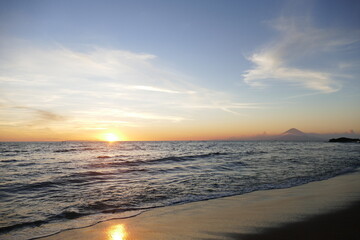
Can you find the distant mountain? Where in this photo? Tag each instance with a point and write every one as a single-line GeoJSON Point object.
{"type": "Point", "coordinates": [294, 134]}
{"type": "Point", "coordinates": [294, 131]}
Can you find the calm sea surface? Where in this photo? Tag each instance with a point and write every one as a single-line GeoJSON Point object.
{"type": "Point", "coordinates": [49, 187]}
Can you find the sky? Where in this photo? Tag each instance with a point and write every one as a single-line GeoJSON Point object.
{"type": "Point", "coordinates": [177, 70]}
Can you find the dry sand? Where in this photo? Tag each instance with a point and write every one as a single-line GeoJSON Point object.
{"type": "Point", "coordinates": [319, 210]}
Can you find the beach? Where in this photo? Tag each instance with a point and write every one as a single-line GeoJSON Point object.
{"type": "Point", "coordinates": [325, 209]}
{"type": "Point", "coordinates": [173, 190]}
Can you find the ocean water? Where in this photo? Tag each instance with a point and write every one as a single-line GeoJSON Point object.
{"type": "Point", "coordinates": [49, 187]}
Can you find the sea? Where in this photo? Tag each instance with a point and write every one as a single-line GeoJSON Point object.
{"type": "Point", "coordinates": [50, 187]}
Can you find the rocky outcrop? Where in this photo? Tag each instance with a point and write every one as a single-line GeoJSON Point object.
{"type": "Point", "coordinates": [345, 140]}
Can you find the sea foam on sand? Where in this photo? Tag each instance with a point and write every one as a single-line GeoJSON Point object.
{"type": "Point", "coordinates": [248, 216]}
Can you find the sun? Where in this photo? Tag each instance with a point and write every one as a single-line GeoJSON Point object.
{"type": "Point", "coordinates": [111, 137]}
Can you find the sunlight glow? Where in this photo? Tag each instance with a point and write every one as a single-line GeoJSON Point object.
{"type": "Point", "coordinates": [111, 137]}
{"type": "Point", "coordinates": [117, 232]}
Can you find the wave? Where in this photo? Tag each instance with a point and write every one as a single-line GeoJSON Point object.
{"type": "Point", "coordinates": [72, 214]}
{"type": "Point", "coordinates": [103, 157]}
{"type": "Point", "coordinates": [13, 151]}
{"type": "Point", "coordinates": [185, 158]}
{"type": "Point", "coordinates": [9, 161]}
{"type": "Point", "coordinates": [166, 160]}
{"type": "Point", "coordinates": [67, 214]}
{"type": "Point", "coordinates": [25, 164]}
{"type": "Point", "coordinates": [10, 155]}
{"type": "Point", "coordinates": [74, 150]}
{"type": "Point", "coordinates": [80, 177]}
{"type": "Point", "coordinates": [88, 149]}
{"type": "Point", "coordinates": [22, 225]}
{"type": "Point", "coordinates": [66, 150]}
{"type": "Point", "coordinates": [28, 187]}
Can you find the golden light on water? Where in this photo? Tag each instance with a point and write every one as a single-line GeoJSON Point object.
{"type": "Point", "coordinates": [117, 232]}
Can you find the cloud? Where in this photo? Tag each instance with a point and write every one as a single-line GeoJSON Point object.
{"type": "Point", "coordinates": [48, 116]}
{"type": "Point", "coordinates": [299, 43]}
{"type": "Point", "coordinates": [229, 107]}
{"type": "Point", "coordinates": [153, 89]}
{"type": "Point", "coordinates": [14, 115]}
{"type": "Point", "coordinates": [42, 115]}
{"type": "Point", "coordinates": [154, 116]}
{"type": "Point", "coordinates": [114, 86]}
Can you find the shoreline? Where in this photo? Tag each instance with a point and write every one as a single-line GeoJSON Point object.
{"type": "Point", "coordinates": [255, 215]}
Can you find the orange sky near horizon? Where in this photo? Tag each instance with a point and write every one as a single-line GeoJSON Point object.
{"type": "Point", "coordinates": [167, 132]}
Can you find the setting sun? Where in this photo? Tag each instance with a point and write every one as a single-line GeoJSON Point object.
{"type": "Point", "coordinates": [111, 137]}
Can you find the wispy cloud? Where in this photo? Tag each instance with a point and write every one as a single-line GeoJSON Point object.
{"type": "Point", "coordinates": [14, 115]}
{"type": "Point", "coordinates": [234, 108]}
{"type": "Point", "coordinates": [299, 41]}
{"type": "Point", "coordinates": [98, 87]}
{"type": "Point", "coordinates": [153, 89]}
{"type": "Point", "coordinates": [143, 115]}
{"type": "Point", "coordinates": [47, 115]}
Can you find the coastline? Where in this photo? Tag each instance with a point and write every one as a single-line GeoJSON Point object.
{"type": "Point", "coordinates": [258, 215]}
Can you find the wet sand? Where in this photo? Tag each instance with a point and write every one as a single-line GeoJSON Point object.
{"type": "Point", "coordinates": [319, 210]}
{"type": "Point", "coordinates": [340, 224]}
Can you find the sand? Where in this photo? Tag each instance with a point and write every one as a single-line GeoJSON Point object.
{"type": "Point", "coordinates": [319, 210]}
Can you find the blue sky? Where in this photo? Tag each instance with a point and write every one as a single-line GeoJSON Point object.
{"type": "Point", "coordinates": [178, 69]}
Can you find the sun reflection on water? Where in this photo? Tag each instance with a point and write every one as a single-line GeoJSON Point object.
{"type": "Point", "coordinates": [117, 232]}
